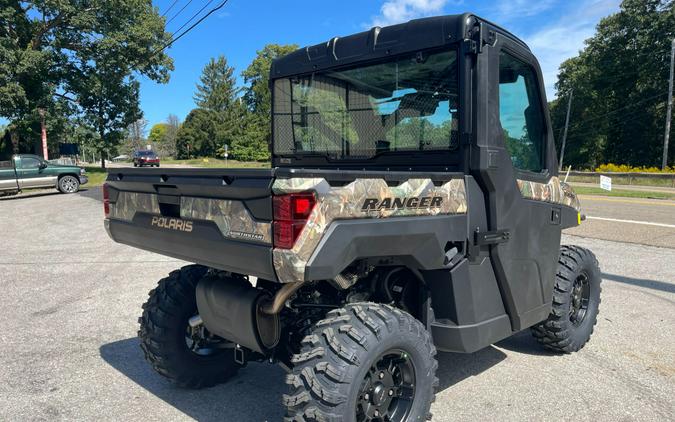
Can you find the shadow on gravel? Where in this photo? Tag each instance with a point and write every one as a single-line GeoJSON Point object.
{"type": "Point", "coordinates": [647, 284]}
{"type": "Point", "coordinates": [92, 193]}
{"type": "Point", "coordinates": [523, 342]}
{"type": "Point", "coordinates": [456, 367]}
{"type": "Point", "coordinates": [255, 393]}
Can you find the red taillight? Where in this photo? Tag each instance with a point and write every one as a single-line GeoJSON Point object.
{"type": "Point", "coordinates": [106, 200]}
{"type": "Point", "coordinates": [291, 212]}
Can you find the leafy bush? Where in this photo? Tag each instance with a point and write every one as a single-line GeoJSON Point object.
{"type": "Point", "coordinates": [624, 168]}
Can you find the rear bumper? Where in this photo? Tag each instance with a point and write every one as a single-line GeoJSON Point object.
{"type": "Point", "coordinates": [84, 180]}
{"type": "Point", "coordinates": [203, 245]}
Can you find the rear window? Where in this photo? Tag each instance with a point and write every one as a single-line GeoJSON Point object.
{"type": "Point", "coordinates": [406, 104]}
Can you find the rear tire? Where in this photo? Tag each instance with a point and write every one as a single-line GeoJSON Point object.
{"type": "Point", "coordinates": [576, 302]}
{"type": "Point", "coordinates": [361, 361]}
{"type": "Point", "coordinates": [163, 334]}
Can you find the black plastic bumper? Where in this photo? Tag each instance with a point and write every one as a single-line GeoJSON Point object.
{"type": "Point", "coordinates": [203, 245]}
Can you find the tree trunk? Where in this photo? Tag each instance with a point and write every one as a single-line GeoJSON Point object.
{"type": "Point", "coordinates": [101, 133]}
{"type": "Point", "coordinates": [14, 138]}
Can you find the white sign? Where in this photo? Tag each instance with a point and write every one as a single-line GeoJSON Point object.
{"type": "Point", "coordinates": [606, 183]}
{"type": "Point", "coordinates": [226, 155]}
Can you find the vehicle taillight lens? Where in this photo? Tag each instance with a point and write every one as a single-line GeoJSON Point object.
{"type": "Point", "coordinates": [106, 200]}
{"type": "Point", "coordinates": [291, 212]}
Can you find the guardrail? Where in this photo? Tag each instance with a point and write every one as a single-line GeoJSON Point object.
{"type": "Point", "coordinates": [633, 178]}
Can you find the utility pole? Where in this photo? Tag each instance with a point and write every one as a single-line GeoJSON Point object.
{"type": "Point", "coordinates": [666, 138]}
{"type": "Point", "coordinates": [43, 127]}
{"type": "Point", "coordinates": [567, 123]}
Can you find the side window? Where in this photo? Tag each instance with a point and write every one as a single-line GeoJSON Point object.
{"type": "Point", "coordinates": [29, 163]}
{"type": "Point", "coordinates": [520, 114]}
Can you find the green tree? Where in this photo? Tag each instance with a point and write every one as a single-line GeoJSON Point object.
{"type": "Point", "coordinates": [620, 83]}
{"type": "Point", "coordinates": [198, 136]}
{"type": "Point", "coordinates": [216, 89]}
{"type": "Point", "coordinates": [157, 133]}
{"type": "Point", "coordinates": [163, 139]}
{"type": "Point", "coordinates": [258, 98]}
{"type": "Point", "coordinates": [249, 142]}
{"type": "Point", "coordinates": [86, 52]}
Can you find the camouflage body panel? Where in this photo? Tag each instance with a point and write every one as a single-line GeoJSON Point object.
{"type": "Point", "coordinates": [347, 202]}
{"type": "Point", "coordinates": [231, 217]}
{"type": "Point", "coordinates": [555, 192]}
{"type": "Point", "coordinates": [129, 203]}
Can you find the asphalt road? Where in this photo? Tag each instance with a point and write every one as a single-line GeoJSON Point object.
{"type": "Point", "coordinates": [68, 350]}
{"type": "Point", "coordinates": [641, 221]}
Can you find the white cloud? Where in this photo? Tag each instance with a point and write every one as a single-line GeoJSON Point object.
{"type": "Point", "coordinates": [564, 39]}
{"type": "Point", "coordinates": [397, 11]}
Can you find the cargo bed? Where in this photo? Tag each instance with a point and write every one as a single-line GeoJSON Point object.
{"type": "Point", "coordinates": [221, 218]}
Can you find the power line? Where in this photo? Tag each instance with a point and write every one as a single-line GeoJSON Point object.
{"type": "Point", "coordinates": [179, 12]}
{"type": "Point", "coordinates": [193, 16]}
{"type": "Point", "coordinates": [182, 34]}
{"type": "Point", "coordinates": [170, 7]}
{"type": "Point", "coordinates": [634, 115]}
{"type": "Point", "coordinates": [592, 119]}
{"type": "Point", "coordinates": [209, 13]}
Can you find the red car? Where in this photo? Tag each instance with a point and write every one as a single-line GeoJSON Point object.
{"type": "Point", "coordinates": [146, 158]}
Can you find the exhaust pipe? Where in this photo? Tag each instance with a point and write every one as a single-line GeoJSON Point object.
{"type": "Point", "coordinates": [232, 309]}
{"type": "Point", "coordinates": [275, 306]}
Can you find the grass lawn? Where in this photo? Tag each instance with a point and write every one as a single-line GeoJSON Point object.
{"type": "Point", "coordinates": [96, 176]}
{"type": "Point", "coordinates": [583, 190]}
{"type": "Point", "coordinates": [214, 162]}
{"type": "Point", "coordinates": [635, 180]}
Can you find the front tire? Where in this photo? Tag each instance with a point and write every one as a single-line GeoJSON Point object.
{"type": "Point", "coordinates": [163, 336]}
{"type": "Point", "coordinates": [576, 302]}
{"type": "Point", "coordinates": [69, 184]}
{"type": "Point", "coordinates": [363, 362]}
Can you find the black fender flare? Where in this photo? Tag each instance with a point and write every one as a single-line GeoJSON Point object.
{"type": "Point", "coordinates": [417, 240]}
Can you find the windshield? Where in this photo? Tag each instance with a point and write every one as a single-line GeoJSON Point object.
{"type": "Point", "coordinates": [407, 104]}
{"type": "Point", "coordinates": [145, 154]}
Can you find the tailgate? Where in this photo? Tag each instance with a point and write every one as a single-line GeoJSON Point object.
{"type": "Point", "coordinates": [216, 217]}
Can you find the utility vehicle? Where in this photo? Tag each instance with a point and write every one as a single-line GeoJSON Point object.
{"type": "Point", "coordinates": [413, 205]}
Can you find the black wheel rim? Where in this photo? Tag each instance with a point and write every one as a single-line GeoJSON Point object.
{"type": "Point", "coordinates": [581, 293]}
{"type": "Point", "coordinates": [388, 389]}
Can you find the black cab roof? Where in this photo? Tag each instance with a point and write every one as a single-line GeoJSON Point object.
{"type": "Point", "coordinates": [377, 43]}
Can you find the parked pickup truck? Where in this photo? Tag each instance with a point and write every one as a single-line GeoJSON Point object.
{"type": "Point", "coordinates": [30, 171]}
{"type": "Point", "coordinates": [413, 205]}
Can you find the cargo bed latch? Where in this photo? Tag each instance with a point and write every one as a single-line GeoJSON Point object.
{"type": "Point", "coordinates": [491, 238]}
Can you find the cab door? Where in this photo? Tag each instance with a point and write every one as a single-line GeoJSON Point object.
{"type": "Point", "coordinates": [515, 155]}
{"type": "Point", "coordinates": [31, 174]}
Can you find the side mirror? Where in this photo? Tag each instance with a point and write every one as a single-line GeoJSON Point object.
{"type": "Point", "coordinates": [43, 165]}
